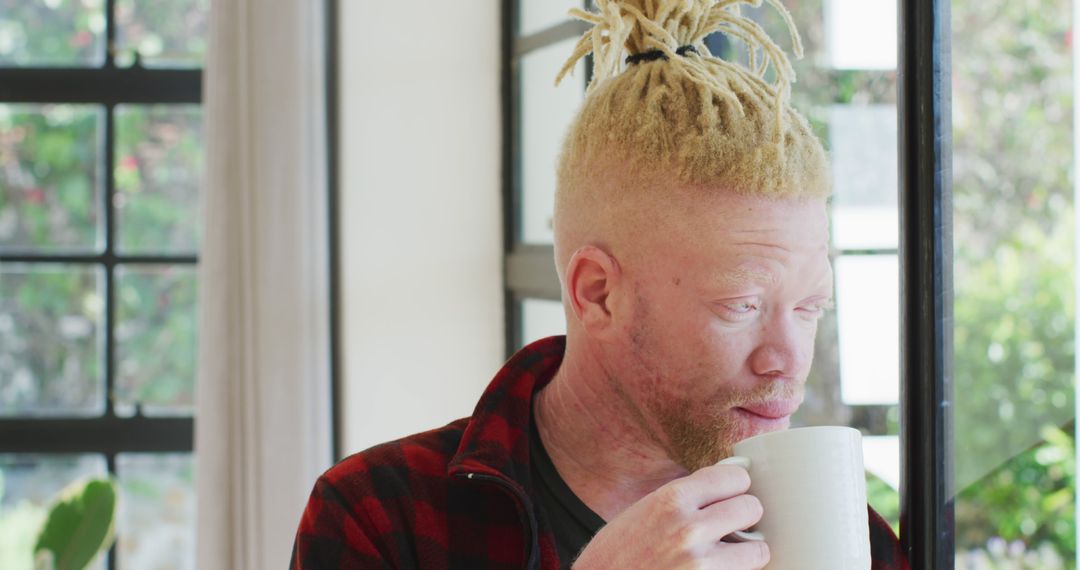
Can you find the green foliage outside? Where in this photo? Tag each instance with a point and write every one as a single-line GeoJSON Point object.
{"type": "Point", "coordinates": [49, 191]}
{"type": "Point", "coordinates": [1014, 301]}
{"type": "Point", "coordinates": [50, 332]}
{"type": "Point", "coordinates": [170, 34]}
{"type": "Point", "coordinates": [1029, 500]}
{"type": "Point", "coordinates": [158, 171]}
{"type": "Point", "coordinates": [156, 340]}
{"type": "Point", "coordinates": [52, 316]}
{"type": "Point", "coordinates": [72, 32]}
{"type": "Point", "coordinates": [56, 32]}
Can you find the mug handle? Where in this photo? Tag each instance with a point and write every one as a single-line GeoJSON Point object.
{"type": "Point", "coordinates": [741, 535]}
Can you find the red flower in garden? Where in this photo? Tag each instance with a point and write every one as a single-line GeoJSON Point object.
{"type": "Point", "coordinates": [82, 39]}
{"type": "Point", "coordinates": [35, 196]}
{"type": "Point", "coordinates": [128, 162]}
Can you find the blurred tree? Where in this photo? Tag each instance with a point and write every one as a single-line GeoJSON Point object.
{"type": "Point", "coordinates": [52, 32]}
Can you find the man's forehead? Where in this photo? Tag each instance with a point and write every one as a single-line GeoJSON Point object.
{"type": "Point", "coordinates": [699, 227]}
{"type": "Point", "coordinates": [766, 236]}
{"type": "Point", "coordinates": [747, 273]}
{"type": "Point", "coordinates": [760, 263]}
{"type": "Point", "coordinates": [728, 210]}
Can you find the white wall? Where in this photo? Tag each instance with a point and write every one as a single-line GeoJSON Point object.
{"type": "Point", "coordinates": [422, 314]}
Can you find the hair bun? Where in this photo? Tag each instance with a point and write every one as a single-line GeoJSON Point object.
{"type": "Point", "coordinates": [653, 105]}
{"type": "Point", "coordinates": [624, 31]}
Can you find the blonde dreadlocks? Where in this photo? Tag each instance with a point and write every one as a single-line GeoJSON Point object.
{"type": "Point", "coordinates": [660, 102]}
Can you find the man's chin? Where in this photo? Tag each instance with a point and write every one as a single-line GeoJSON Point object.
{"type": "Point", "coordinates": [703, 443]}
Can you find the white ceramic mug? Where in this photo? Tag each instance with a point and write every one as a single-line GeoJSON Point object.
{"type": "Point", "coordinates": [812, 486]}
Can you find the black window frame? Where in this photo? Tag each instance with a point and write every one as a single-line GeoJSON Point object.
{"type": "Point", "coordinates": [107, 86]}
{"type": "Point", "coordinates": [927, 532]}
{"type": "Point", "coordinates": [528, 269]}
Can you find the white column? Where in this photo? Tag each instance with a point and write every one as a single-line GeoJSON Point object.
{"type": "Point", "coordinates": [421, 214]}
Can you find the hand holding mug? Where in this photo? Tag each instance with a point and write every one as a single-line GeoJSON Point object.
{"type": "Point", "coordinates": [681, 525]}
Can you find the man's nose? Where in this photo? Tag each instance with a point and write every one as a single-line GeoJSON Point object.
{"type": "Point", "coordinates": [783, 349]}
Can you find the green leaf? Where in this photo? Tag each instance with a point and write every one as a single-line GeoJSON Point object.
{"type": "Point", "coordinates": [80, 524]}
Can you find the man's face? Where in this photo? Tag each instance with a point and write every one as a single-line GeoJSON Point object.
{"type": "Point", "coordinates": [721, 337]}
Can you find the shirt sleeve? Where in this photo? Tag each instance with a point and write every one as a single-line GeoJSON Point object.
{"type": "Point", "coordinates": [332, 536]}
{"type": "Point", "coordinates": [885, 551]}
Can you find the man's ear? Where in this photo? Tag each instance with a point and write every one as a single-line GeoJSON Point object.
{"type": "Point", "coordinates": [591, 276]}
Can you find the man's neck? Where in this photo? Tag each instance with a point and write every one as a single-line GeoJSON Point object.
{"type": "Point", "coordinates": [604, 456]}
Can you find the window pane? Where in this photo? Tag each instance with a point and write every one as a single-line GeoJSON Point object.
{"type": "Point", "coordinates": [50, 183]}
{"type": "Point", "coordinates": [546, 112]}
{"type": "Point", "coordinates": [155, 339]}
{"type": "Point", "coordinates": [166, 34]}
{"type": "Point", "coordinates": [158, 171]}
{"type": "Point", "coordinates": [862, 140]}
{"type": "Point", "coordinates": [157, 511]}
{"type": "Point", "coordinates": [1014, 217]}
{"type": "Point", "coordinates": [541, 318]}
{"type": "Point", "coordinates": [51, 340]}
{"type": "Point", "coordinates": [52, 32]}
{"type": "Point", "coordinates": [534, 16]}
{"type": "Point", "coordinates": [28, 485]}
{"type": "Point", "coordinates": [861, 33]}
{"type": "Point", "coordinates": [868, 313]}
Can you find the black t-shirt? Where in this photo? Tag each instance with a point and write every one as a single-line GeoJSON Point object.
{"type": "Point", "coordinates": [573, 523]}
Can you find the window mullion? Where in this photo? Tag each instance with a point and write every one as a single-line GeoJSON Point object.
{"type": "Point", "coordinates": [925, 138]}
{"type": "Point", "coordinates": [110, 559]}
{"type": "Point", "coordinates": [110, 264]}
{"type": "Point", "coordinates": [110, 33]}
{"type": "Point", "coordinates": [139, 434]}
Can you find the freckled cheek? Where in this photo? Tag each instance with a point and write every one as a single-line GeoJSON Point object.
{"type": "Point", "coordinates": [806, 350]}
{"type": "Point", "coordinates": [728, 350]}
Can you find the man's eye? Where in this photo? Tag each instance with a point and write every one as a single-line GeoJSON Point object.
{"type": "Point", "coordinates": [741, 308]}
{"type": "Point", "coordinates": [816, 310]}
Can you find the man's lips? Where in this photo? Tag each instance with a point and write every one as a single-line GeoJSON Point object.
{"type": "Point", "coordinates": [773, 409]}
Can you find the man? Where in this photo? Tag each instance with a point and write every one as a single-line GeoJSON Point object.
{"type": "Point", "coordinates": [691, 241]}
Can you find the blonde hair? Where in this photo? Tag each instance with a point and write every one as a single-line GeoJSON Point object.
{"type": "Point", "coordinates": [683, 112]}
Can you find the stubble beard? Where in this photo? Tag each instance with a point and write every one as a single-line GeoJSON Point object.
{"type": "Point", "coordinates": [700, 434]}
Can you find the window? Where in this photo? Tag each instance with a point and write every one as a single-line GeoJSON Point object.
{"type": "Point", "coordinates": [977, 337]}
{"type": "Point", "coordinates": [1013, 263]}
{"type": "Point", "coordinates": [855, 380]}
{"type": "Point", "coordinates": [542, 37]}
{"type": "Point", "coordinates": [101, 160]}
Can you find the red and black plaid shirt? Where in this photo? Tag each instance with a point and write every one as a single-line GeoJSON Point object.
{"type": "Point", "coordinates": [460, 496]}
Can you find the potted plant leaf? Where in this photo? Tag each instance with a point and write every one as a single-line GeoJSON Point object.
{"type": "Point", "coordinates": [79, 528]}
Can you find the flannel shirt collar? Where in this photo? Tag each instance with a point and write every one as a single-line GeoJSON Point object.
{"type": "Point", "coordinates": [496, 440]}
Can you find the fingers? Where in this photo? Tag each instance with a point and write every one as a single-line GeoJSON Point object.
{"type": "Point", "coordinates": [707, 486]}
{"type": "Point", "coordinates": [743, 555]}
{"type": "Point", "coordinates": [726, 517]}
